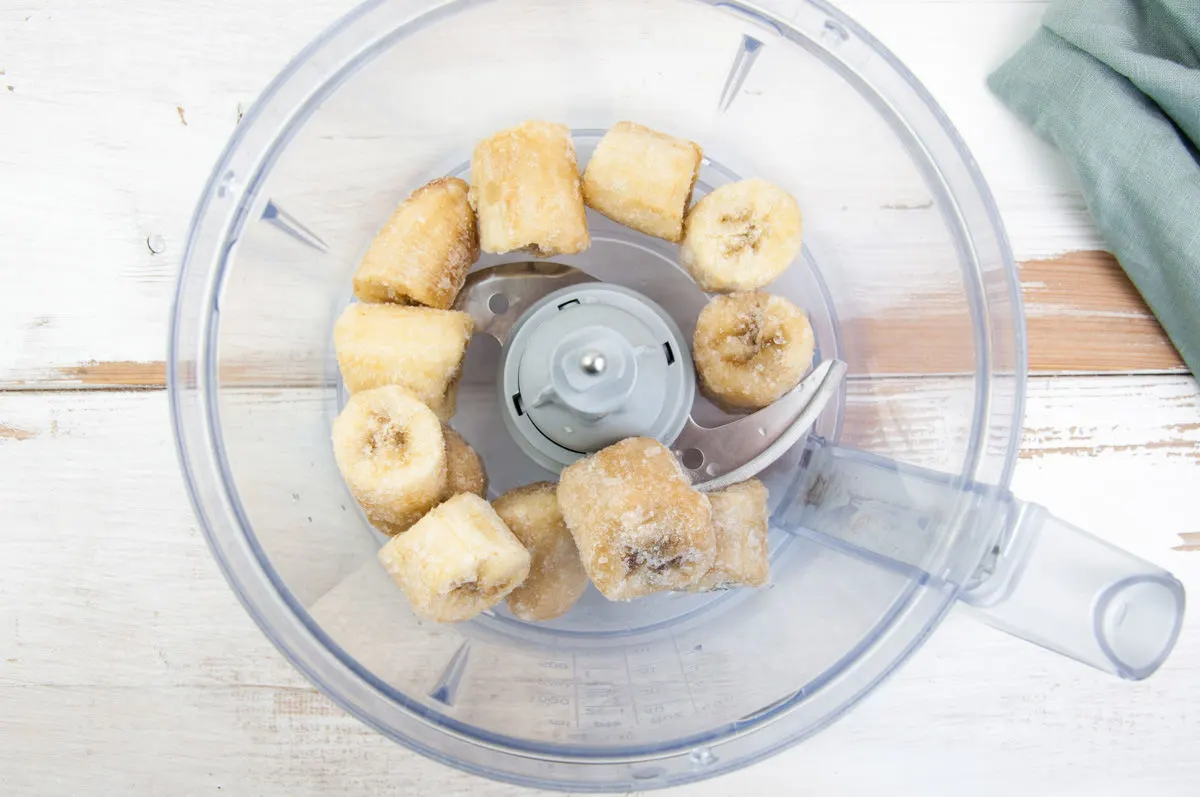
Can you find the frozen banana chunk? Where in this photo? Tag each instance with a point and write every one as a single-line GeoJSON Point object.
{"type": "Point", "coordinates": [464, 467]}
{"type": "Point", "coordinates": [740, 524]}
{"type": "Point", "coordinates": [643, 179]}
{"type": "Point", "coordinates": [525, 188]}
{"type": "Point", "coordinates": [741, 236]}
{"type": "Point", "coordinates": [422, 254]}
{"type": "Point", "coordinates": [390, 450]}
{"type": "Point", "coordinates": [457, 561]}
{"type": "Point", "coordinates": [751, 348]}
{"type": "Point", "coordinates": [639, 525]}
{"type": "Point", "coordinates": [464, 474]}
{"type": "Point", "coordinates": [556, 576]}
{"type": "Point", "coordinates": [418, 348]}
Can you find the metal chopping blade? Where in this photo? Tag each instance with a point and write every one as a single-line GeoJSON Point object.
{"type": "Point", "coordinates": [496, 298]}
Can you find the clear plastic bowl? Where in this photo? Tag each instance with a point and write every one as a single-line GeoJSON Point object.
{"type": "Point", "coordinates": [906, 274]}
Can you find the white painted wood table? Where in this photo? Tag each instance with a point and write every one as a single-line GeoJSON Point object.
{"type": "Point", "coordinates": [126, 664]}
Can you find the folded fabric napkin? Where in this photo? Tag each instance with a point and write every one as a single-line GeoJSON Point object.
{"type": "Point", "coordinates": [1115, 85]}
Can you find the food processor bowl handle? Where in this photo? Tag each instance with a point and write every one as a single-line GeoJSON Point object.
{"type": "Point", "coordinates": [1012, 564]}
{"type": "Point", "coordinates": [1057, 586]}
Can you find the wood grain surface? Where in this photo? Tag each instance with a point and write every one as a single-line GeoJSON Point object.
{"type": "Point", "coordinates": [122, 647]}
{"type": "Point", "coordinates": [1083, 316]}
{"type": "Point", "coordinates": [127, 666]}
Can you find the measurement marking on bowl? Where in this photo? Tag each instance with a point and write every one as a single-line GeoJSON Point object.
{"type": "Point", "coordinates": [446, 688]}
{"type": "Point", "coordinates": [280, 219]}
{"type": "Point", "coordinates": [743, 60]}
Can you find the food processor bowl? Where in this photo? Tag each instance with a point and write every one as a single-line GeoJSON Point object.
{"type": "Point", "coordinates": [890, 511]}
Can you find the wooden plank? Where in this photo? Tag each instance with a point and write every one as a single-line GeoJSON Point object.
{"type": "Point", "coordinates": [927, 421]}
{"type": "Point", "coordinates": [122, 647]}
{"type": "Point", "coordinates": [118, 374]}
{"type": "Point", "coordinates": [89, 309]}
{"type": "Point", "coordinates": [951, 47]}
{"type": "Point", "coordinates": [1083, 316]}
{"type": "Point", "coordinates": [100, 173]}
{"type": "Point", "coordinates": [1190, 541]}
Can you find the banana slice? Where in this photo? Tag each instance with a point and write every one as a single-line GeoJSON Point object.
{"type": "Point", "coordinates": [740, 524]}
{"type": "Point", "coordinates": [418, 348]}
{"type": "Point", "coordinates": [464, 474]}
{"type": "Point", "coordinates": [751, 348]}
{"type": "Point", "coordinates": [741, 236]}
{"type": "Point", "coordinates": [464, 467]}
{"type": "Point", "coordinates": [423, 252]}
{"type": "Point", "coordinates": [556, 576]}
{"type": "Point", "coordinates": [457, 561]}
{"type": "Point", "coordinates": [639, 525]}
{"type": "Point", "coordinates": [643, 179]}
{"type": "Point", "coordinates": [390, 450]}
{"type": "Point", "coordinates": [526, 190]}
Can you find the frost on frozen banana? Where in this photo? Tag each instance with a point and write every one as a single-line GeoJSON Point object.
{"type": "Point", "coordinates": [423, 252]}
{"type": "Point", "coordinates": [390, 450]}
{"type": "Point", "coordinates": [464, 467]}
{"type": "Point", "coordinates": [751, 348]}
{"type": "Point", "coordinates": [643, 179]}
{"type": "Point", "coordinates": [457, 561]}
{"type": "Point", "coordinates": [556, 576]}
{"type": "Point", "coordinates": [418, 348]}
{"type": "Point", "coordinates": [740, 524]}
{"type": "Point", "coordinates": [741, 236]}
{"type": "Point", "coordinates": [639, 525]}
{"type": "Point", "coordinates": [526, 191]}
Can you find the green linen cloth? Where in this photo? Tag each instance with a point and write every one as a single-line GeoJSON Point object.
{"type": "Point", "coordinates": [1115, 85]}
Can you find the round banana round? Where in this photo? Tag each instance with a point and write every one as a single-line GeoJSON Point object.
{"type": "Point", "coordinates": [423, 252]}
{"type": "Point", "coordinates": [392, 454]}
{"type": "Point", "coordinates": [741, 236]}
{"type": "Point", "coordinates": [457, 561]}
{"type": "Point", "coordinates": [556, 576]}
{"type": "Point", "coordinates": [418, 348]}
{"type": "Point", "coordinates": [639, 526]}
{"type": "Point", "coordinates": [741, 522]}
{"type": "Point", "coordinates": [750, 348]}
